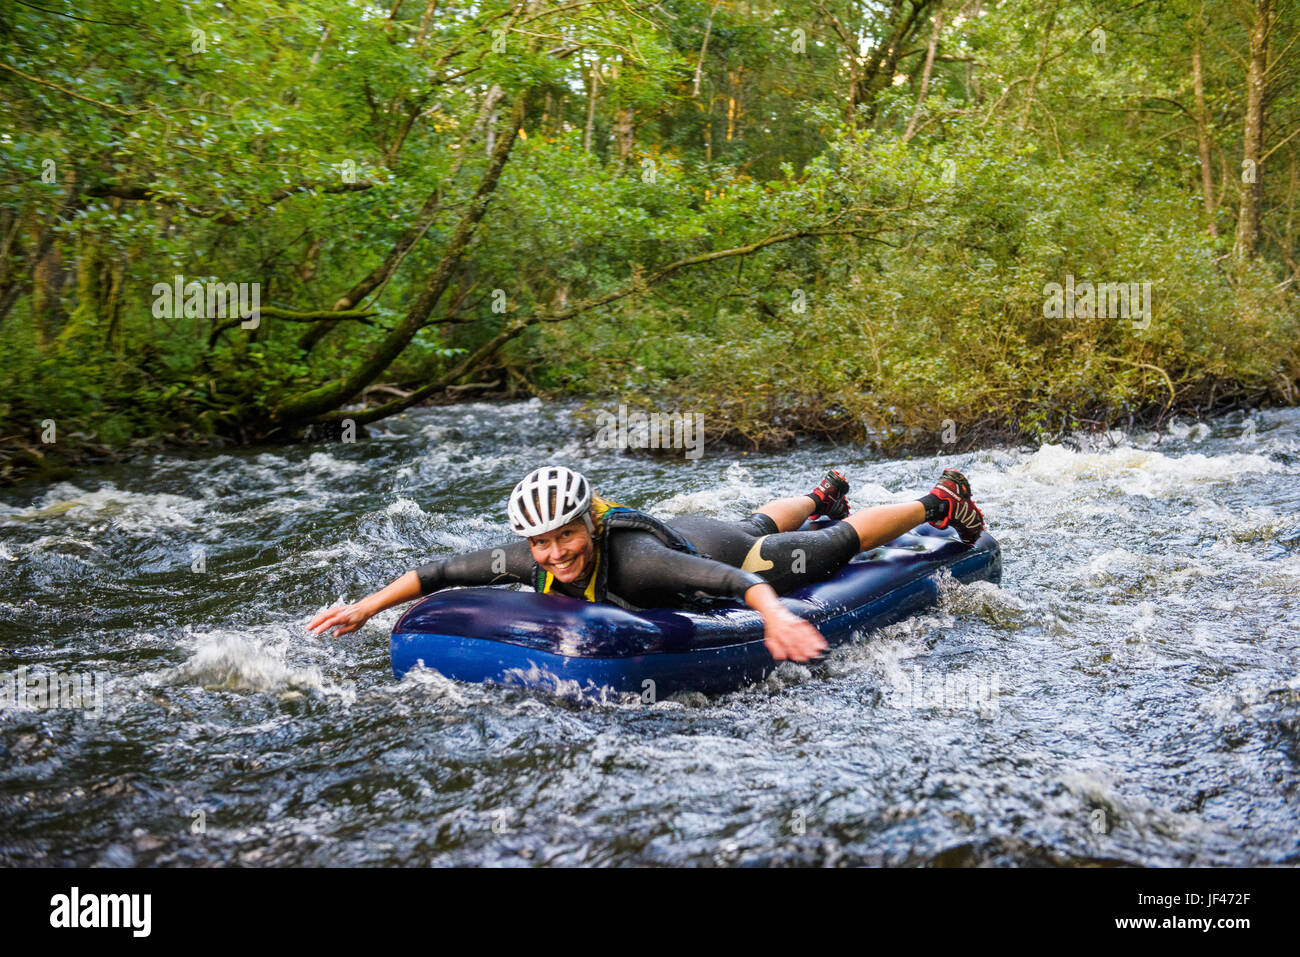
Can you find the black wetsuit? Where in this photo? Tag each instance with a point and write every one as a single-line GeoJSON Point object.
{"type": "Point", "coordinates": [645, 573]}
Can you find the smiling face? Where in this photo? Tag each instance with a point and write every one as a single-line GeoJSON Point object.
{"type": "Point", "coordinates": [567, 553]}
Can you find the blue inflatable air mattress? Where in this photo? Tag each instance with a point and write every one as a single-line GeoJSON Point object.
{"type": "Point", "coordinates": [566, 645]}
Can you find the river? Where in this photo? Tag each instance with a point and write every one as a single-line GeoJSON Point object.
{"type": "Point", "coordinates": [1128, 694]}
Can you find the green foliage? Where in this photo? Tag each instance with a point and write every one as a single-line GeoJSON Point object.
{"type": "Point", "coordinates": [294, 144]}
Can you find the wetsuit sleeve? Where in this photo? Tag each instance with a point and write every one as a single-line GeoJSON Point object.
{"type": "Point", "coordinates": [512, 562]}
{"type": "Point", "coordinates": [646, 565]}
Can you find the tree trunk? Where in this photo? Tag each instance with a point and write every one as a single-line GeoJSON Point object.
{"type": "Point", "coordinates": [334, 394]}
{"type": "Point", "coordinates": [925, 75]}
{"type": "Point", "coordinates": [20, 269]}
{"type": "Point", "coordinates": [592, 79]}
{"type": "Point", "coordinates": [12, 259]}
{"type": "Point", "coordinates": [112, 305]}
{"type": "Point", "coordinates": [48, 280]}
{"type": "Point", "coordinates": [624, 128]}
{"type": "Point", "coordinates": [625, 134]}
{"type": "Point", "coordinates": [91, 287]}
{"type": "Point", "coordinates": [699, 64]}
{"type": "Point", "coordinates": [487, 117]}
{"type": "Point", "coordinates": [1247, 240]}
{"type": "Point", "coordinates": [1290, 216]}
{"type": "Point", "coordinates": [1038, 67]}
{"type": "Point", "coordinates": [1203, 138]}
{"type": "Point", "coordinates": [902, 25]}
{"type": "Point", "coordinates": [850, 43]}
{"type": "Point", "coordinates": [310, 259]}
{"type": "Point", "coordinates": [425, 22]}
{"type": "Point", "coordinates": [708, 133]}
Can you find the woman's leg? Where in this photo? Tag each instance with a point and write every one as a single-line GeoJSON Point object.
{"type": "Point", "coordinates": [788, 513]}
{"type": "Point", "coordinates": [947, 504]}
{"type": "Point", "coordinates": [770, 544]}
{"type": "Point", "coordinates": [884, 523]}
{"type": "Point", "coordinates": [875, 525]}
{"type": "Point", "coordinates": [789, 559]}
{"type": "Point", "coordinates": [826, 499]}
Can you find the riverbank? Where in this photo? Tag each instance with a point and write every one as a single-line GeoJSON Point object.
{"type": "Point", "coordinates": [27, 460]}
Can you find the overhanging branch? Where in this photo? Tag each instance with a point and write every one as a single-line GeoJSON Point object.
{"type": "Point", "coordinates": [638, 284]}
{"type": "Point", "coordinates": [148, 194]}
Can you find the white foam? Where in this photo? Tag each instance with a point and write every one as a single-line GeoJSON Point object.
{"type": "Point", "coordinates": [1137, 471]}
{"type": "Point", "coordinates": [1098, 788]}
{"type": "Point", "coordinates": [983, 600]}
{"type": "Point", "coordinates": [738, 486]}
{"type": "Point", "coordinates": [324, 462]}
{"type": "Point", "coordinates": [66, 504]}
{"type": "Point", "coordinates": [346, 552]}
{"type": "Point", "coordinates": [883, 651]}
{"type": "Point", "coordinates": [1197, 432]}
{"type": "Point", "coordinates": [236, 661]}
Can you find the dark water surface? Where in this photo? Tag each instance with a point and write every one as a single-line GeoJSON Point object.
{"type": "Point", "coordinates": [1129, 694]}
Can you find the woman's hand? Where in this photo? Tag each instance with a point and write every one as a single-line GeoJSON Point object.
{"type": "Point", "coordinates": [346, 618]}
{"type": "Point", "coordinates": [786, 635]}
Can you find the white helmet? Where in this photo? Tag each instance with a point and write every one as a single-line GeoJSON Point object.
{"type": "Point", "coordinates": [548, 498]}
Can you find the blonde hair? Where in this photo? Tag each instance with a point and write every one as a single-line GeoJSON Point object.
{"type": "Point", "coordinates": [599, 506]}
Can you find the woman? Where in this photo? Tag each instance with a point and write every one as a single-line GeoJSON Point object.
{"type": "Point", "coordinates": [580, 545]}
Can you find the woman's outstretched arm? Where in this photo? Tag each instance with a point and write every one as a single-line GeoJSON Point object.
{"type": "Point", "coordinates": [348, 618]}
{"type": "Point", "coordinates": [504, 564]}
{"type": "Point", "coordinates": [642, 562]}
